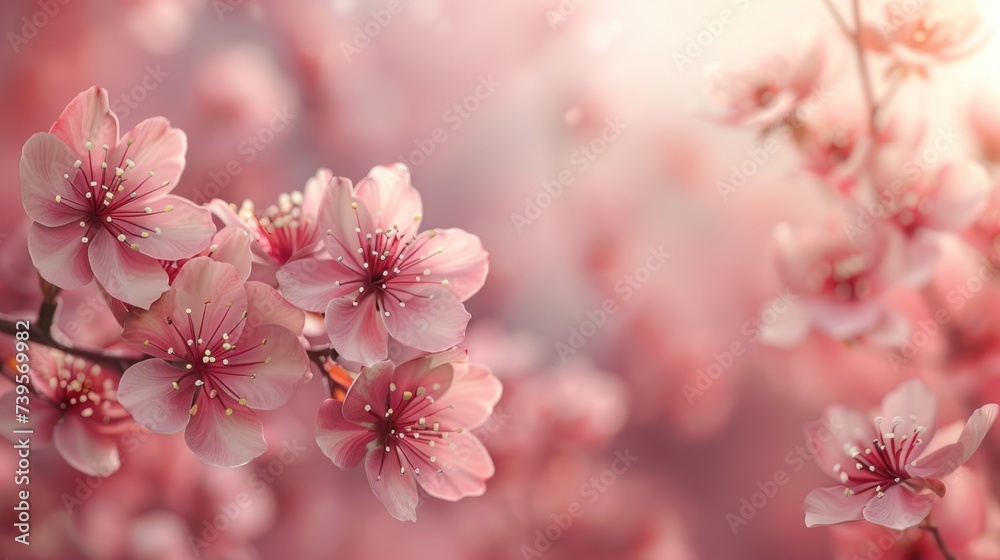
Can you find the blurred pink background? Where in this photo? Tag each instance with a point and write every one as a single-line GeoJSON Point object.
{"type": "Point", "coordinates": [572, 137]}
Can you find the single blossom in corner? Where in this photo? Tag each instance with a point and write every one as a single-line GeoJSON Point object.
{"type": "Point", "coordinates": [411, 424]}
{"type": "Point", "coordinates": [283, 232]}
{"type": "Point", "coordinates": [386, 279]}
{"type": "Point", "coordinates": [76, 408]}
{"type": "Point", "coordinates": [222, 350]}
{"type": "Point", "coordinates": [889, 468]}
{"type": "Point", "coordinates": [100, 203]}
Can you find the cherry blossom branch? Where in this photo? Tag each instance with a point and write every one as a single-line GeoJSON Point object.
{"type": "Point", "coordinates": [40, 335]}
{"type": "Point", "coordinates": [321, 356]}
{"type": "Point", "coordinates": [837, 17]}
{"type": "Point", "coordinates": [932, 529]}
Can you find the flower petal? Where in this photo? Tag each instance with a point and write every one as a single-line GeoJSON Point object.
{"type": "Point", "coordinates": [899, 508]}
{"type": "Point", "coordinates": [279, 366]}
{"type": "Point", "coordinates": [146, 392]}
{"type": "Point", "coordinates": [184, 231]}
{"type": "Point", "coordinates": [962, 188]}
{"type": "Point", "coordinates": [87, 118]}
{"type": "Point", "coordinates": [473, 393]}
{"type": "Point", "coordinates": [455, 256]}
{"type": "Point", "coordinates": [394, 483]}
{"type": "Point", "coordinates": [59, 255]}
{"type": "Point", "coordinates": [204, 280]}
{"type": "Point", "coordinates": [158, 148]}
{"type": "Point", "coordinates": [311, 283]}
{"type": "Point", "coordinates": [432, 320]}
{"type": "Point", "coordinates": [338, 220]}
{"type": "Point", "coordinates": [124, 273]}
{"type": "Point", "coordinates": [224, 440]}
{"type": "Point", "coordinates": [231, 244]}
{"type": "Point", "coordinates": [343, 441]}
{"type": "Point", "coordinates": [357, 331]}
{"type": "Point", "coordinates": [45, 161]}
{"type": "Point", "coordinates": [387, 193]}
{"type": "Point", "coordinates": [41, 421]}
{"type": "Point", "coordinates": [86, 451]}
{"type": "Point", "coordinates": [840, 428]}
{"type": "Point", "coordinates": [265, 306]}
{"type": "Point", "coordinates": [460, 466]}
{"type": "Point", "coordinates": [830, 506]}
{"type": "Point", "coordinates": [950, 457]}
{"type": "Point", "coordinates": [371, 388]}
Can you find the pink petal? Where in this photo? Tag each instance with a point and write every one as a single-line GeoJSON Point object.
{"type": "Point", "coordinates": [387, 189]}
{"type": "Point", "coordinates": [157, 148]}
{"type": "Point", "coordinates": [232, 245]}
{"type": "Point", "coordinates": [125, 273]}
{"type": "Point", "coordinates": [473, 394]}
{"type": "Point", "coordinates": [280, 365]}
{"type": "Point", "coordinates": [204, 280]}
{"type": "Point", "coordinates": [146, 392]}
{"type": "Point", "coordinates": [184, 231]}
{"type": "Point", "coordinates": [456, 256]}
{"type": "Point", "coordinates": [338, 220]}
{"type": "Point", "coordinates": [370, 388]}
{"type": "Point", "coordinates": [84, 450]}
{"type": "Point", "coordinates": [416, 374]}
{"type": "Point", "coordinates": [87, 118]}
{"type": "Point", "coordinates": [394, 484]}
{"type": "Point", "coordinates": [140, 325]}
{"type": "Point", "coordinates": [344, 442]}
{"type": "Point", "coordinates": [843, 321]}
{"type": "Point", "coordinates": [900, 508]}
{"type": "Point", "coordinates": [312, 194]}
{"type": "Point", "coordinates": [45, 160]}
{"type": "Point", "coordinates": [433, 318]}
{"type": "Point", "coordinates": [59, 255]}
{"type": "Point", "coordinates": [840, 427]}
{"type": "Point", "coordinates": [310, 283]}
{"type": "Point", "coordinates": [829, 506]}
{"type": "Point", "coordinates": [959, 197]}
{"type": "Point", "coordinates": [948, 458]}
{"type": "Point", "coordinates": [42, 420]}
{"type": "Point", "coordinates": [456, 472]}
{"type": "Point", "coordinates": [227, 215]}
{"type": "Point", "coordinates": [912, 398]}
{"type": "Point", "coordinates": [224, 440]}
{"type": "Point", "coordinates": [357, 331]}
{"type": "Point", "coordinates": [267, 307]}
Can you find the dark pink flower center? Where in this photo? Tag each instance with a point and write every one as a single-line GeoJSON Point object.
{"type": "Point", "coordinates": [844, 274]}
{"type": "Point", "coordinates": [281, 230]}
{"type": "Point", "coordinates": [80, 387]}
{"type": "Point", "coordinates": [882, 463]}
{"type": "Point", "coordinates": [106, 198]}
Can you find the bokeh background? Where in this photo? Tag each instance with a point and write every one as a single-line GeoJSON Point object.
{"type": "Point", "coordinates": [575, 138]}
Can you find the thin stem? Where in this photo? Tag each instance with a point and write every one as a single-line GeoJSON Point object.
{"type": "Point", "coordinates": [837, 17]}
{"type": "Point", "coordinates": [866, 80]}
{"type": "Point", "coordinates": [932, 529]}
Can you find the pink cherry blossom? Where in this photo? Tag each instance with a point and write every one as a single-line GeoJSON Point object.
{"type": "Point", "coordinates": [836, 278]}
{"type": "Point", "coordinates": [284, 232]}
{"type": "Point", "coordinates": [230, 244]}
{"type": "Point", "coordinates": [385, 278]}
{"type": "Point", "coordinates": [889, 468]}
{"type": "Point", "coordinates": [412, 425]}
{"type": "Point", "coordinates": [222, 349]}
{"type": "Point", "coordinates": [101, 204]}
{"type": "Point", "coordinates": [75, 406]}
{"type": "Point", "coordinates": [919, 34]}
{"type": "Point", "coordinates": [771, 91]}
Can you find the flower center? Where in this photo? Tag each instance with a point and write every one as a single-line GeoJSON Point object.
{"type": "Point", "coordinates": [282, 229]}
{"type": "Point", "coordinates": [883, 463]}
{"type": "Point", "coordinates": [78, 386]}
{"type": "Point", "coordinates": [106, 199]}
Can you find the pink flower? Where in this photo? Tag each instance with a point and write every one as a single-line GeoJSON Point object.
{"type": "Point", "coordinates": [919, 34]}
{"type": "Point", "coordinates": [770, 92]}
{"type": "Point", "coordinates": [284, 232]}
{"type": "Point", "coordinates": [222, 349]}
{"type": "Point", "coordinates": [889, 469]}
{"type": "Point", "coordinates": [836, 279]}
{"type": "Point", "coordinates": [386, 279]}
{"type": "Point", "coordinates": [100, 203]}
{"type": "Point", "coordinates": [229, 245]}
{"type": "Point", "coordinates": [411, 424]}
{"type": "Point", "coordinates": [76, 407]}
